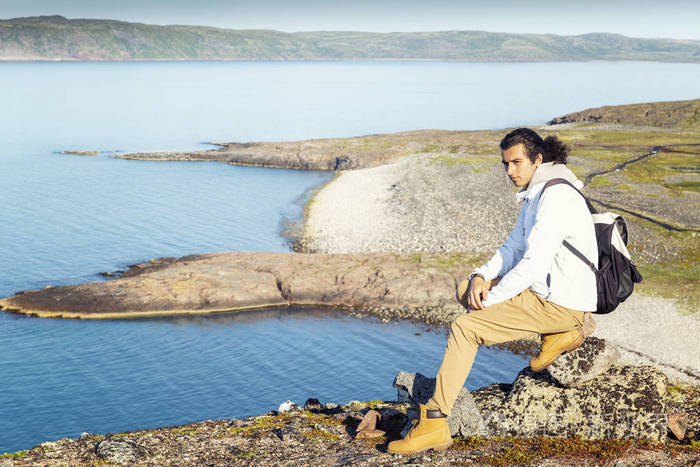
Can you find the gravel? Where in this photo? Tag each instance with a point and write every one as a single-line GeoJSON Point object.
{"type": "Point", "coordinates": [422, 204]}
{"type": "Point", "coordinates": [418, 204]}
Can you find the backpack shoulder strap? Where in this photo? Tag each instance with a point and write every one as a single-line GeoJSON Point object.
{"type": "Point", "coordinates": [591, 209]}
{"type": "Point", "coordinates": [559, 181]}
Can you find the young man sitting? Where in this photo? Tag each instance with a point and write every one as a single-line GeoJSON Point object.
{"type": "Point", "coordinates": [544, 289]}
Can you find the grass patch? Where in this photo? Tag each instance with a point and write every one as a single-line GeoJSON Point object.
{"type": "Point", "coordinates": [677, 277]}
{"type": "Point", "coordinates": [446, 262]}
{"type": "Point", "coordinates": [432, 147]}
{"type": "Point", "coordinates": [686, 186]}
{"type": "Point", "coordinates": [463, 160]}
{"type": "Point", "coordinates": [478, 170]}
{"type": "Point", "coordinates": [600, 181]}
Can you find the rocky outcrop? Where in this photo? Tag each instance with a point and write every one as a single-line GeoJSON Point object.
{"type": "Point", "coordinates": [593, 358]}
{"type": "Point", "coordinates": [673, 114]}
{"type": "Point", "coordinates": [623, 402]}
{"type": "Point", "coordinates": [235, 281]}
{"type": "Point", "coordinates": [316, 154]}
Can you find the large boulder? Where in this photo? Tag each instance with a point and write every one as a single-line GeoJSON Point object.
{"type": "Point", "coordinates": [465, 419]}
{"type": "Point", "coordinates": [625, 402]}
{"type": "Point", "coordinates": [593, 358]}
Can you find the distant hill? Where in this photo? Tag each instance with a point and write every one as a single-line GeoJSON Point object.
{"type": "Point", "coordinates": [672, 114]}
{"type": "Point", "coordinates": [58, 38]}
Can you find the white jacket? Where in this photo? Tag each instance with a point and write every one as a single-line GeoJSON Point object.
{"type": "Point", "coordinates": [534, 257]}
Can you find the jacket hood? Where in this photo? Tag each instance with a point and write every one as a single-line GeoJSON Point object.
{"type": "Point", "coordinates": [545, 172]}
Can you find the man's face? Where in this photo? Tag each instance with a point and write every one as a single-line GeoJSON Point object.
{"type": "Point", "coordinates": [518, 166]}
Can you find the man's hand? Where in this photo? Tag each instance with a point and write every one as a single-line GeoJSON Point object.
{"type": "Point", "coordinates": [479, 291]}
{"type": "Point", "coordinates": [467, 296]}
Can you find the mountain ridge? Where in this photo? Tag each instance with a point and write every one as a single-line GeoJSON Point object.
{"type": "Point", "coordinates": [59, 38]}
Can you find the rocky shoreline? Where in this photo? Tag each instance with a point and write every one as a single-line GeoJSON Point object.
{"type": "Point", "coordinates": [591, 412]}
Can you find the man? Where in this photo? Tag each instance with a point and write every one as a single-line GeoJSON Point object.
{"type": "Point", "coordinates": [543, 288]}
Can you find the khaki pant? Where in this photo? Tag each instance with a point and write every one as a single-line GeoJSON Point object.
{"type": "Point", "coordinates": [525, 315]}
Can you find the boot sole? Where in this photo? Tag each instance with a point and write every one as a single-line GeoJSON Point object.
{"type": "Point", "coordinates": [439, 447]}
{"type": "Point", "coordinates": [570, 348]}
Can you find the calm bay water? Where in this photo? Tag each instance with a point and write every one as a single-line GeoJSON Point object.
{"type": "Point", "coordinates": [66, 218]}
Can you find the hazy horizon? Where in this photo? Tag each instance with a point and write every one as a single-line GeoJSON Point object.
{"type": "Point", "coordinates": [676, 19]}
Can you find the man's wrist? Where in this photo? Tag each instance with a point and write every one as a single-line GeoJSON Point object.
{"type": "Point", "coordinates": [476, 274]}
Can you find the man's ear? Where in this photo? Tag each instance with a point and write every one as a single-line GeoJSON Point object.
{"type": "Point", "coordinates": [538, 159]}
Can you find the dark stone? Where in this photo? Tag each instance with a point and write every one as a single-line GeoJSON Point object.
{"type": "Point", "coordinates": [312, 404]}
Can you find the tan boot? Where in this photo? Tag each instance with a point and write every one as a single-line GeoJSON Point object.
{"type": "Point", "coordinates": [554, 345]}
{"type": "Point", "coordinates": [428, 433]}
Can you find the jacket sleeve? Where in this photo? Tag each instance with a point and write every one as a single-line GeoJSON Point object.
{"type": "Point", "coordinates": [541, 245]}
{"type": "Point", "coordinates": [507, 255]}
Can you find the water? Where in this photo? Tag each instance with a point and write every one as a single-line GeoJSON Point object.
{"type": "Point", "coordinates": [171, 371]}
{"type": "Point", "coordinates": [66, 218]}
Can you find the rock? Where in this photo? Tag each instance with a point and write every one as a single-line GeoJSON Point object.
{"type": "Point", "coordinates": [678, 424]}
{"type": "Point", "coordinates": [236, 281]}
{"type": "Point", "coordinates": [288, 406]}
{"type": "Point", "coordinates": [585, 363]}
{"type": "Point", "coordinates": [119, 451]}
{"type": "Point", "coordinates": [367, 428]}
{"type": "Point", "coordinates": [625, 402]}
{"type": "Point", "coordinates": [465, 419]}
{"type": "Point", "coordinates": [312, 404]}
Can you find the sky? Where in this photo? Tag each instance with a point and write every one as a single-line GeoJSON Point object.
{"type": "Point", "coordinates": [677, 19]}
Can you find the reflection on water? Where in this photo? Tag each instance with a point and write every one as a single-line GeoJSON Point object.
{"type": "Point", "coordinates": [64, 377]}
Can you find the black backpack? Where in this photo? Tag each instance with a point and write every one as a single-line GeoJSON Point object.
{"type": "Point", "coordinates": [615, 274]}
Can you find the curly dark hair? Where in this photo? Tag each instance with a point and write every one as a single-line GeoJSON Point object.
{"type": "Point", "coordinates": [551, 148]}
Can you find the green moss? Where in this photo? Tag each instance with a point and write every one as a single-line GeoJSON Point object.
{"type": "Point", "coordinates": [184, 431]}
{"type": "Point", "coordinates": [14, 455]}
{"type": "Point", "coordinates": [262, 423]}
{"type": "Point", "coordinates": [245, 454]}
{"type": "Point", "coordinates": [317, 433]}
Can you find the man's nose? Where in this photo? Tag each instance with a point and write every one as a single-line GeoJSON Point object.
{"type": "Point", "coordinates": [510, 169]}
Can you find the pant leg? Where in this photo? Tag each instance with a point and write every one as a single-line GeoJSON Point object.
{"type": "Point", "coordinates": [522, 316]}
